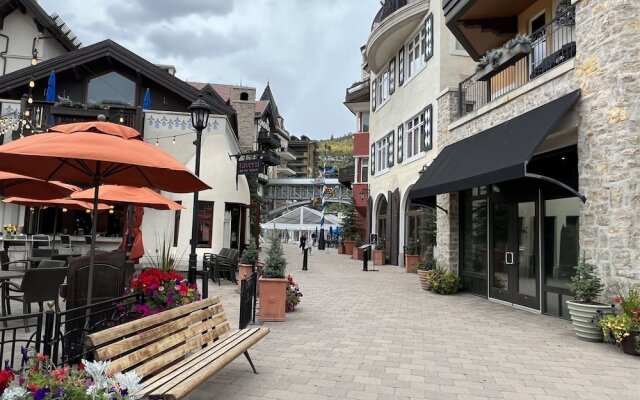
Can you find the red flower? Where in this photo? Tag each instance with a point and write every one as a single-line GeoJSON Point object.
{"type": "Point", "coordinates": [32, 387]}
{"type": "Point", "coordinates": [81, 366]}
{"type": "Point", "coordinates": [6, 376]}
{"type": "Point", "coordinates": [41, 357]}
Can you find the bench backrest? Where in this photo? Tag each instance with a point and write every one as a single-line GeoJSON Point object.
{"type": "Point", "coordinates": [148, 344]}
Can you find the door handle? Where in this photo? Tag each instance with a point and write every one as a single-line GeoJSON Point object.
{"type": "Point", "coordinates": [508, 258]}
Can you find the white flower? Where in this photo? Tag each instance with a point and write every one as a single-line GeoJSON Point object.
{"type": "Point", "coordinates": [14, 393]}
{"type": "Point", "coordinates": [129, 381]}
{"type": "Point", "coordinates": [98, 372]}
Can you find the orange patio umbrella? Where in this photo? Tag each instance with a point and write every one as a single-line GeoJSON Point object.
{"type": "Point", "coordinates": [134, 196]}
{"type": "Point", "coordinates": [25, 186]}
{"type": "Point", "coordinates": [93, 153]}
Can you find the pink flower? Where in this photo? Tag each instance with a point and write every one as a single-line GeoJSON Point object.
{"type": "Point", "coordinates": [618, 299]}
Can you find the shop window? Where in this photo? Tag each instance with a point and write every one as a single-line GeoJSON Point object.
{"type": "Point", "coordinates": [111, 88]}
{"type": "Point", "coordinates": [474, 223]}
{"type": "Point", "coordinates": [382, 221]}
{"type": "Point", "coordinates": [204, 220]}
{"type": "Point", "coordinates": [561, 251]}
{"type": "Point", "coordinates": [421, 228]}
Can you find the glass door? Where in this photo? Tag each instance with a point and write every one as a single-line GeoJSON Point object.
{"type": "Point", "coordinates": [515, 271]}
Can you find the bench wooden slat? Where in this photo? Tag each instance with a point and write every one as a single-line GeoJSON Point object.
{"type": "Point", "coordinates": [117, 348]}
{"type": "Point", "coordinates": [152, 365]}
{"type": "Point", "coordinates": [173, 346]}
{"type": "Point", "coordinates": [107, 335]}
{"type": "Point", "coordinates": [205, 367]}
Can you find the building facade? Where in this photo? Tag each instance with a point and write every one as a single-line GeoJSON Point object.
{"type": "Point", "coordinates": [305, 152]}
{"type": "Point", "coordinates": [410, 57]}
{"type": "Point", "coordinates": [538, 151]}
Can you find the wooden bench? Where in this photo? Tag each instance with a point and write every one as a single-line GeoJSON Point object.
{"type": "Point", "coordinates": [176, 350]}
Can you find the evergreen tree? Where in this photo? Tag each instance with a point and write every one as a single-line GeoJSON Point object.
{"type": "Point", "coordinates": [350, 230]}
{"type": "Point", "coordinates": [251, 254]}
{"type": "Point", "coordinates": [276, 264]}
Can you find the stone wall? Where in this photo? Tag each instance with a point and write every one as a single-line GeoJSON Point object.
{"type": "Point", "coordinates": [607, 71]}
{"type": "Point", "coordinates": [246, 123]}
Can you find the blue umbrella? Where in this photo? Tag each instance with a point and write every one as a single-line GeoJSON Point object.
{"type": "Point", "coordinates": [51, 87]}
{"type": "Point", "coordinates": [146, 102]}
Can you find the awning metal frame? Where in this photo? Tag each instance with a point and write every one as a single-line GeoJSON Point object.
{"type": "Point", "coordinates": [555, 182]}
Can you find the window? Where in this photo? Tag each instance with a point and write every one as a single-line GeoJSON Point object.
{"type": "Point", "coordinates": [176, 225]}
{"type": "Point", "coordinates": [415, 53]}
{"type": "Point", "coordinates": [382, 149]}
{"type": "Point", "coordinates": [204, 221]}
{"type": "Point", "coordinates": [244, 96]}
{"type": "Point", "coordinates": [412, 138]}
{"type": "Point", "coordinates": [383, 86]}
{"type": "Point", "coordinates": [364, 170]}
{"type": "Point", "coordinates": [363, 122]}
{"type": "Point", "coordinates": [111, 88]}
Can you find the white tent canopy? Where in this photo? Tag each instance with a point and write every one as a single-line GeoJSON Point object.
{"type": "Point", "coordinates": [302, 219]}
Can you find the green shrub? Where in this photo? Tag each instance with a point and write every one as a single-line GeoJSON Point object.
{"type": "Point", "coordinates": [276, 264]}
{"type": "Point", "coordinates": [441, 281]}
{"type": "Point", "coordinates": [250, 255]}
{"type": "Point", "coordinates": [585, 283]}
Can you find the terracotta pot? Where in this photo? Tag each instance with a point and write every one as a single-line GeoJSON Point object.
{"type": "Point", "coordinates": [348, 247]}
{"type": "Point", "coordinates": [341, 248]}
{"type": "Point", "coordinates": [628, 344]}
{"type": "Point", "coordinates": [273, 293]}
{"type": "Point", "coordinates": [422, 275]}
{"type": "Point", "coordinates": [358, 253]}
{"type": "Point", "coordinates": [410, 262]}
{"type": "Point", "coordinates": [244, 271]}
{"type": "Point", "coordinates": [378, 257]}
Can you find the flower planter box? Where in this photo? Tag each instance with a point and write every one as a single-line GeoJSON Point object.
{"type": "Point", "coordinates": [378, 257]}
{"type": "Point", "coordinates": [582, 315]}
{"type": "Point", "coordinates": [244, 271]}
{"type": "Point", "coordinates": [348, 247]}
{"type": "Point", "coordinates": [358, 254]}
{"type": "Point", "coordinates": [508, 58]}
{"type": "Point", "coordinates": [273, 295]}
{"type": "Point", "coordinates": [410, 263]}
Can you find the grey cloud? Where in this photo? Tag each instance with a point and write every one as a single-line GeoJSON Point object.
{"type": "Point", "coordinates": [154, 11]}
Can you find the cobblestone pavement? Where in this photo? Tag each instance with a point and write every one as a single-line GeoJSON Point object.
{"type": "Point", "coordinates": [377, 336]}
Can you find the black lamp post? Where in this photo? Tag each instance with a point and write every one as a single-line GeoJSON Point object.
{"type": "Point", "coordinates": [200, 111]}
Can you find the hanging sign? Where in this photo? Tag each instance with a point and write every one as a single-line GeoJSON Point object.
{"type": "Point", "coordinates": [250, 166]}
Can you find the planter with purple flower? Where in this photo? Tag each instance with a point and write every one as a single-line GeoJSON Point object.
{"type": "Point", "coordinates": [162, 291]}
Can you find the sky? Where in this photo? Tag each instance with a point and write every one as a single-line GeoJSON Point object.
{"type": "Point", "coordinates": [308, 50]}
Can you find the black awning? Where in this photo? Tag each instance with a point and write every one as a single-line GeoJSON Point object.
{"type": "Point", "coordinates": [495, 155]}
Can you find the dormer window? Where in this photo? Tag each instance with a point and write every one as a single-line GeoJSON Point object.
{"type": "Point", "coordinates": [111, 88]}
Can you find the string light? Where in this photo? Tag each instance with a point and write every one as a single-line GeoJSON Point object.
{"type": "Point", "coordinates": [88, 211]}
{"type": "Point", "coordinates": [157, 143]}
{"type": "Point", "coordinates": [174, 140]}
{"type": "Point", "coordinates": [64, 210]}
{"type": "Point", "coordinates": [34, 61]}
{"type": "Point", "coordinates": [32, 84]}
{"type": "Point", "coordinates": [26, 113]}
{"type": "Point", "coordinates": [121, 119]}
{"type": "Point", "coordinates": [30, 100]}
{"type": "Point", "coordinates": [111, 211]}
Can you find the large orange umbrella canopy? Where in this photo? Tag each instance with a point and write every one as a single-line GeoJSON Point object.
{"type": "Point", "coordinates": [71, 204]}
{"type": "Point", "coordinates": [144, 197]}
{"type": "Point", "coordinates": [80, 153]}
{"type": "Point", "coordinates": [25, 186]}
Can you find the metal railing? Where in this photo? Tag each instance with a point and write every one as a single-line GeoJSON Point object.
{"type": "Point", "coordinates": [551, 45]}
{"type": "Point", "coordinates": [388, 8]}
{"type": "Point", "coordinates": [248, 300]}
{"type": "Point", "coordinates": [13, 341]}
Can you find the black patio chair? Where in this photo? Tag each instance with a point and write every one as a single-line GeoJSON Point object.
{"type": "Point", "coordinates": [5, 263]}
{"type": "Point", "coordinates": [37, 286]}
{"type": "Point", "coordinates": [52, 264]}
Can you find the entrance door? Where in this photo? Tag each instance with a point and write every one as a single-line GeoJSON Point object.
{"type": "Point", "coordinates": [514, 275]}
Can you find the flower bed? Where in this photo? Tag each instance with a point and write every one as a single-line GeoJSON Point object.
{"type": "Point", "coordinates": [162, 291]}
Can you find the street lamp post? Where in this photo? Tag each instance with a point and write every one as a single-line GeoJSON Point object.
{"type": "Point", "coordinates": [200, 111]}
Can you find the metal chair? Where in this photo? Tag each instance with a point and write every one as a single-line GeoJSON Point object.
{"type": "Point", "coordinates": [40, 241]}
{"type": "Point", "coordinates": [38, 285]}
{"type": "Point", "coordinates": [6, 263]}
{"type": "Point", "coordinates": [65, 243]}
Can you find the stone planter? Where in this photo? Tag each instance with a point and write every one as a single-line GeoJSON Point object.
{"type": "Point", "coordinates": [628, 344]}
{"type": "Point", "coordinates": [410, 262]}
{"type": "Point", "coordinates": [378, 257]}
{"type": "Point", "coordinates": [582, 315]}
{"type": "Point", "coordinates": [348, 247]}
{"type": "Point", "coordinates": [358, 253]}
{"type": "Point", "coordinates": [244, 270]}
{"type": "Point", "coordinates": [273, 293]}
{"type": "Point", "coordinates": [422, 276]}
{"type": "Point", "coordinates": [507, 59]}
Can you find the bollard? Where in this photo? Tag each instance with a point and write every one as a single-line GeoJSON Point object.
{"type": "Point", "coordinates": [304, 259]}
{"type": "Point", "coordinates": [365, 259]}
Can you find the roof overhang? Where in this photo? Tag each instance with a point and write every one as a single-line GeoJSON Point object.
{"type": "Point", "coordinates": [482, 25]}
{"type": "Point", "coordinates": [498, 154]}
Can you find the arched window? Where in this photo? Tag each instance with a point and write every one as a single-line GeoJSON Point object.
{"type": "Point", "coordinates": [111, 88]}
{"type": "Point", "coordinates": [244, 96]}
{"type": "Point", "coordinates": [382, 220]}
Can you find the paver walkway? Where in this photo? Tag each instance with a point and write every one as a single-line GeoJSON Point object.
{"type": "Point", "coordinates": [377, 336]}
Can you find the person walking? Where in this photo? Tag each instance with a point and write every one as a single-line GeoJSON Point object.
{"type": "Point", "coordinates": [314, 238]}
{"type": "Point", "coordinates": [303, 242]}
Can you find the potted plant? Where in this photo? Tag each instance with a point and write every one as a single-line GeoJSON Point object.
{"type": "Point", "coordinates": [622, 327]}
{"type": "Point", "coordinates": [350, 228]}
{"type": "Point", "coordinates": [273, 284]}
{"type": "Point", "coordinates": [358, 253]}
{"type": "Point", "coordinates": [441, 281]}
{"type": "Point", "coordinates": [518, 47]}
{"type": "Point", "coordinates": [423, 268]}
{"type": "Point", "coordinates": [411, 255]}
{"type": "Point", "coordinates": [378, 254]}
{"type": "Point", "coordinates": [293, 295]}
{"type": "Point", "coordinates": [248, 261]}
{"type": "Point", "coordinates": [586, 287]}
{"type": "Point", "coordinates": [486, 67]}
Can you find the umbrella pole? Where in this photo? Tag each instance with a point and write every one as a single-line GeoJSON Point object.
{"type": "Point", "coordinates": [55, 231]}
{"type": "Point", "coordinates": [94, 227]}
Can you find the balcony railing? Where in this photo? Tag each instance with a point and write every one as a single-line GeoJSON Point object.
{"type": "Point", "coordinates": [388, 8]}
{"type": "Point", "coordinates": [551, 45]}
